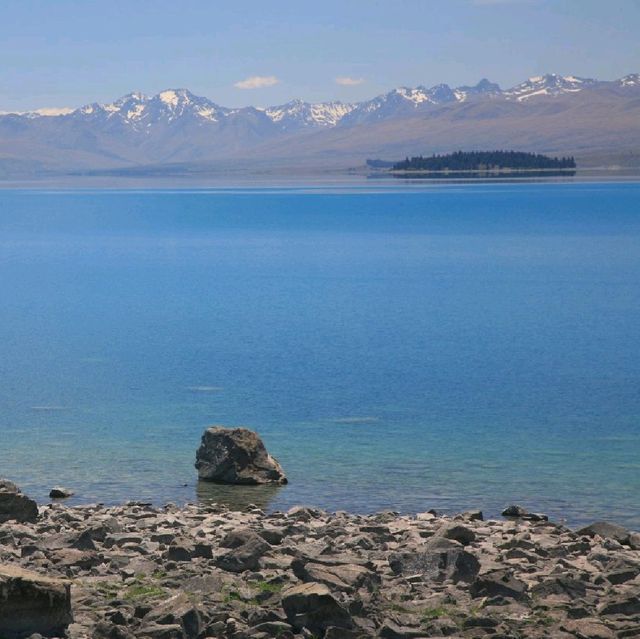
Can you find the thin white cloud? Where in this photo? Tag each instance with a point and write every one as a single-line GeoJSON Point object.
{"type": "Point", "coordinates": [257, 82]}
{"type": "Point", "coordinates": [346, 81]}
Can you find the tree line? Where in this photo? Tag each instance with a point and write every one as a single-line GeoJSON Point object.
{"type": "Point", "coordinates": [484, 161]}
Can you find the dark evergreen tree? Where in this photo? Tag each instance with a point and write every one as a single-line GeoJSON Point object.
{"type": "Point", "coordinates": [484, 161]}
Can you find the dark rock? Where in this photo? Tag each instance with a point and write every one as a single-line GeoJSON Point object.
{"type": "Point", "coordinates": [441, 559]}
{"type": "Point", "coordinates": [274, 628]}
{"type": "Point", "coordinates": [564, 585]}
{"type": "Point", "coordinates": [627, 605]}
{"type": "Point", "coordinates": [498, 583]}
{"type": "Point", "coordinates": [588, 629]}
{"type": "Point", "coordinates": [244, 552]}
{"type": "Point", "coordinates": [161, 631]}
{"type": "Point", "coordinates": [606, 530]}
{"type": "Point", "coordinates": [457, 532]}
{"type": "Point", "coordinates": [31, 603]}
{"type": "Point", "coordinates": [520, 513]}
{"type": "Point", "coordinates": [514, 511]}
{"type": "Point", "coordinates": [67, 557]}
{"type": "Point", "coordinates": [239, 537]}
{"type": "Point", "coordinates": [313, 606]}
{"type": "Point", "coordinates": [334, 632]}
{"type": "Point", "coordinates": [236, 456]}
{"type": "Point", "coordinates": [179, 552]}
{"type": "Point", "coordinates": [180, 611]}
{"type": "Point", "coordinates": [60, 493]}
{"type": "Point", "coordinates": [15, 506]}
{"type": "Point", "coordinates": [345, 577]}
{"type": "Point", "coordinates": [391, 630]}
{"type": "Point", "coordinates": [472, 515]}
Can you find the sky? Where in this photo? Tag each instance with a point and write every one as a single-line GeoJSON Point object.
{"type": "Point", "coordinates": [73, 52]}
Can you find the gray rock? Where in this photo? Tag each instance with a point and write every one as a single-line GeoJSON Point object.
{"type": "Point", "coordinates": [564, 586]}
{"type": "Point", "coordinates": [14, 506]}
{"type": "Point", "coordinates": [391, 630]}
{"type": "Point", "coordinates": [245, 549]}
{"type": "Point", "coordinates": [440, 560]}
{"type": "Point", "coordinates": [606, 530]}
{"type": "Point", "coordinates": [31, 603]}
{"type": "Point", "coordinates": [457, 532]}
{"type": "Point", "coordinates": [498, 583]}
{"type": "Point", "coordinates": [178, 610]}
{"type": "Point", "coordinates": [514, 511]}
{"type": "Point", "coordinates": [161, 631]}
{"type": "Point", "coordinates": [313, 606]}
{"type": "Point", "coordinates": [520, 513]}
{"type": "Point", "coordinates": [346, 577]}
{"type": "Point", "coordinates": [634, 540]}
{"type": "Point", "coordinates": [236, 456]}
{"type": "Point", "coordinates": [628, 605]}
{"type": "Point", "coordinates": [59, 492]}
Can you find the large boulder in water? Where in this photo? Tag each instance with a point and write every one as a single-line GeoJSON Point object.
{"type": "Point", "coordinates": [236, 456]}
{"type": "Point", "coordinates": [15, 506]}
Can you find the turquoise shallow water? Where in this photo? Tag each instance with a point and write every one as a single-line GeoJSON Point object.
{"type": "Point", "coordinates": [450, 347]}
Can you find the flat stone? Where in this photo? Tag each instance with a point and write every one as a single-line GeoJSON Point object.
{"type": "Point", "coordinates": [498, 583]}
{"type": "Point", "coordinates": [606, 530]}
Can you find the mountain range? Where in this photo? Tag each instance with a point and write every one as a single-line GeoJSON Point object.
{"type": "Point", "coordinates": [176, 131]}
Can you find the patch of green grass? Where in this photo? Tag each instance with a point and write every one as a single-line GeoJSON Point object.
{"type": "Point", "coordinates": [266, 587]}
{"type": "Point", "coordinates": [232, 596]}
{"type": "Point", "coordinates": [539, 618]}
{"type": "Point", "coordinates": [396, 607]}
{"type": "Point", "coordinates": [429, 614]}
{"type": "Point", "coordinates": [142, 591]}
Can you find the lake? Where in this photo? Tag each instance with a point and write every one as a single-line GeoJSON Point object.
{"type": "Point", "coordinates": [450, 346]}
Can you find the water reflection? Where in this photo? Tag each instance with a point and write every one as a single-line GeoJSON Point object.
{"type": "Point", "coordinates": [522, 176]}
{"type": "Point", "coordinates": [237, 497]}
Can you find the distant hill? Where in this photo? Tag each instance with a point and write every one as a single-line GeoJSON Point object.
{"type": "Point", "coordinates": [485, 161]}
{"type": "Point", "coordinates": [178, 132]}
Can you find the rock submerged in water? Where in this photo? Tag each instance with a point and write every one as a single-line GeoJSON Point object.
{"type": "Point", "coordinates": [236, 456]}
{"type": "Point", "coordinates": [14, 505]}
{"type": "Point", "coordinates": [59, 492]}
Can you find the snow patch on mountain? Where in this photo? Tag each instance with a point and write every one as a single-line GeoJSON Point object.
{"type": "Point", "coordinates": [305, 114]}
{"type": "Point", "coordinates": [631, 80]}
{"type": "Point", "coordinates": [550, 84]}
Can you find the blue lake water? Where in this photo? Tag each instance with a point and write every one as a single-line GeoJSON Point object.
{"type": "Point", "coordinates": [452, 347]}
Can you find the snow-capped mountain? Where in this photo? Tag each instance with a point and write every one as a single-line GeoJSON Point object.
{"type": "Point", "coordinates": [300, 114]}
{"type": "Point", "coordinates": [631, 80]}
{"type": "Point", "coordinates": [548, 85]}
{"type": "Point", "coordinates": [139, 111]}
{"type": "Point", "coordinates": [483, 88]}
{"type": "Point", "coordinates": [176, 127]}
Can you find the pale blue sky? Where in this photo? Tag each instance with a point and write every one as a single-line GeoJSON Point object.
{"type": "Point", "coordinates": [70, 52]}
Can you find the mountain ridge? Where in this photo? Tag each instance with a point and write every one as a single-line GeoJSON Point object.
{"type": "Point", "coordinates": [549, 113]}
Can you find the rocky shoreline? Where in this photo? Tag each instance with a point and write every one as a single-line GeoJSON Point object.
{"type": "Point", "coordinates": [204, 571]}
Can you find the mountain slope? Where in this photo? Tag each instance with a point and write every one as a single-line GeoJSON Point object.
{"type": "Point", "coordinates": [558, 114]}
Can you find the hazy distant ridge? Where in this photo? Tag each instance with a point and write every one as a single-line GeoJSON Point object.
{"type": "Point", "coordinates": [550, 113]}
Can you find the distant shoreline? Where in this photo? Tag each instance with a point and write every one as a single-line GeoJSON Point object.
{"type": "Point", "coordinates": [500, 171]}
